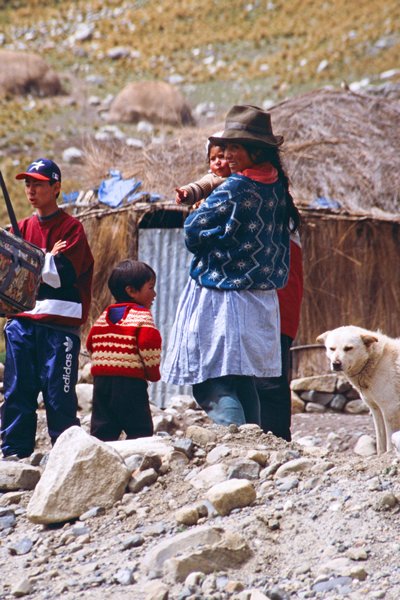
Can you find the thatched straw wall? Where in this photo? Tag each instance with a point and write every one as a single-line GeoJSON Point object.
{"type": "Point", "coordinates": [351, 274]}
{"type": "Point", "coordinates": [161, 167]}
{"type": "Point", "coordinates": [343, 146]}
{"type": "Point", "coordinates": [113, 236]}
{"type": "Point", "coordinates": [338, 144]}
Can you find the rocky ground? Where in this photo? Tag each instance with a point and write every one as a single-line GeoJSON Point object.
{"type": "Point", "coordinates": [320, 520]}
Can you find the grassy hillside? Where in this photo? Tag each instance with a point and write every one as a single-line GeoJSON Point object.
{"type": "Point", "coordinates": [216, 51]}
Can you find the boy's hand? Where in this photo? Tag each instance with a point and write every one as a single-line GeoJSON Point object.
{"type": "Point", "coordinates": [181, 195]}
{"type": "Point", "coordinates": [58, 246]}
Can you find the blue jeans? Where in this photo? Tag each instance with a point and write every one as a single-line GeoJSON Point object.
{"type": "Point", "coordinates": [229, 399]}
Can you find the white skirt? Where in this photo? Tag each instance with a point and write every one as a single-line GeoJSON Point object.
{"type": "Point", "coordinates": [219, 333]}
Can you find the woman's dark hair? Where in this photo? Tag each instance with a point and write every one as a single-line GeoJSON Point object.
{"type": "Point", "coordinates": [260, 154]}
{"type": "Point", "coordinates": [129, 272]}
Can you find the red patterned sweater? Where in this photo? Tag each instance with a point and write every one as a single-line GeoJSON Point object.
{"type": "Point", "coordinates": [131, 347]}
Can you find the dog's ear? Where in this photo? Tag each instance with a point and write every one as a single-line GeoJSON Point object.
{"type": "Point", "coordinates": [322, 338]}
{"type": "Point", "coordinates": [368, 339]}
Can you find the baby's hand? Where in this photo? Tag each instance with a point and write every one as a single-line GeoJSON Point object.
{"type": "Point", "coordinates": [58, 246]}
{"type": "Point", "coordinates": [181, 195]}
{"type": "Point", "coordinates": [198, 203]}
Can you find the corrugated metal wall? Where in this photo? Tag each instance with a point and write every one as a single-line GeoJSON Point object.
{"type": "Point", "coordinates": [165, 251]}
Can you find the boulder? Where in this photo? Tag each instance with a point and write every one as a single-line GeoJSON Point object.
{"type": "Point", "coordinates": [17, 476]}
{"type": "Point", "coordinates": [205, 549]}
{"type": "Point", "coordinates": [141, 480]}
{"type": "Point", "coordinates": [356, 407]}
{"type": "Point", "coordinates": [396, 441]}
{"type": "Point", "coordinates": [228, 495]}
{"type": "Point", "coordinates": [229, 553]}
{"type": "Point", "coordinates": [81, 472]}
{"type": "Point", "coordinates": [201, 436]}
{"type": "Point", "coordinates": [182, 542]}
{"type": "Point", "coordinates": [153, 445]}
{"type": "Point", "coordinates": [154, 101]}
{"type": "Point", "coordinates": [297, 465]}
{"type": "Point", "coordinates": [23, 73]}
{"type": "Point", "coordinates": [207, 477]}
{"type": "Point", "coordinates": [84, 392]}
{"type": "Point", "coordinates": [85, 375]}
{"type": "Point", "coordinates": [322, 383]}
{"type": "Point", "coordinates": [365, 446]}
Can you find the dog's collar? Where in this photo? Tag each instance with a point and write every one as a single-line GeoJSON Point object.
{"type": "Point", "coordinates": [360, 372]}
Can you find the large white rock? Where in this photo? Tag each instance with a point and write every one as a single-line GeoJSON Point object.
{"type": "Point", "coordinates": [144, 445]}
{"type": "Point", "coordinates": [200, 435]}
{"type": "Point", "coordinates": [341, 566]}
{"type": "Point", "coordinates": [207, 477]}
{"type": "Point", "coordinates": [396, 441]}
{"type": "Point", "coordinates": [81, 472]}
{"type": "Point", "coordinates": [365, 446]}
{"type": "Point", "coordinates": [182, 542]}
{"type": "Point", "coordinates": [85, 375]}
{"type": "Point", "coordinates": [17, 476]}
{"type": "Point", "coordinates": [84, 392]}
{"type": "Point", "coordinates": [231, 494]}
{"type": "Point", "coordinates": [294, 466]}
{"type": "Point", "coordinates": [229, 553]}
{"type": "Point", "coordinates": [322, 383]}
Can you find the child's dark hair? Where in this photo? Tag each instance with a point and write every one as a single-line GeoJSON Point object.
{"type": "Point", "coordinates": [129, 272]}
{"type": "Point", "coordinates": [271, 154]}
{"type": "Point", "coordinates": [213, 144]}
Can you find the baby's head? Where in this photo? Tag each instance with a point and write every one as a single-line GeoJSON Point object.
{"type": "Point", "coordinates": [133, 281]}
{"type": "Point", "coordinates": [216, 157]}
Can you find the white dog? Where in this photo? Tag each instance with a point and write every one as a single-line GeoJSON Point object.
{"type": "Point", "coordinates": [371, 362]}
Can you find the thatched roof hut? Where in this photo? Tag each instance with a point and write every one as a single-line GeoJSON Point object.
{"type": "Point", "coordinates": [340, 146]}
{"type": "Point", "coordinates": [343, 146]}
{"type": "Point", "coordinates": [113, 235]}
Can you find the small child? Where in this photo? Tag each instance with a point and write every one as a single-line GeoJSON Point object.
{"type": "Point", "coordinates": [193, 193]}
{"type": "Point", "coordinates": [126, 348]}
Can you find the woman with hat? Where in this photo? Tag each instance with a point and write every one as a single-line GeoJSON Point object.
{"type": "Point", "coordinates": [227, 329]}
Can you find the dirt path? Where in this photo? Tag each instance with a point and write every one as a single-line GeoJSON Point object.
{"type": "Point", "coordinates": [340, 431]}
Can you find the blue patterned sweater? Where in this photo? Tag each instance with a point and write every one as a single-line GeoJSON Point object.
{"type": "Point", "coordinates": [239, 236]}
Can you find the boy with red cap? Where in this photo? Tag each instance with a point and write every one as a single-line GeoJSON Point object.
{"type": "Point", "coordinates": [42, 345]}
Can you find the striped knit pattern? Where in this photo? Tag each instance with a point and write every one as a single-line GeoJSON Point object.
{"type": "Point", "coordinates": [131, 347]}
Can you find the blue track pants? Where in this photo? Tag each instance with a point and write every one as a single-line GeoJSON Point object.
{"type": "Point", "coordinates": [38, 358]}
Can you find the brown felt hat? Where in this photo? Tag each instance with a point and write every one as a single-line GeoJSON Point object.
{"type": "Point", "coordinates": [248, 124]}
